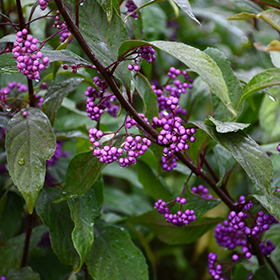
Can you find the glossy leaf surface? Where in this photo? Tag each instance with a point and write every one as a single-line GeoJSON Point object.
{"type": "Point", "coordinates": [30, 141]}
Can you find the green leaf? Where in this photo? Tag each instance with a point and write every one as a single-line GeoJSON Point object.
{"type": "Point", "coordinates": [271, 3]}
{"type": "Point", "coordinates": [25, 273]}
{"type": "Point", "coordinates": [56, 217]}
{"type": "Point", "coordinates": [4, 120]}
{"type": "Point", "coordinates": [240, 272]}
{"type": "Point", "coordinates": [153, 185]}
{"type": "Point", "coordinates": [246, 5]}
{"type": "Point", "coordinates": [84, 210]}
{"type": "Point", "coordinates": [171, 234]}
{"type": "Point", "coordinates": [8, 38]}
{"type": "Point", "coordinates": [107, 7]}
{"type": "Point", "coordinates": [243, 16]}
{"type": "Point", "coordinates": [269, 115]}
{"type": "Point", "coordinates": [224, 161]}
{"type": "Point", "coordinates": [234, 86]}
{"type": "Point", "coordinates": [114, 256]}
{"type": "Point", "coordinates": [128, 204]}
{"type": "Point", "coordinates": [64, 55]}
{"type": "Point", "coordinates": [198, 61]}
{"type": "Point", "coordinates": [263, 273]}
{"type": "Point", "coordinates": [114, 170]}
{"type": "Point", "coordinates": [186, 7]}
{"type": "Point", "coordinates": [104, 39]}
{"type": "Point", "coordinates": [226, 127]}
{"type": "Point", "coordinates": [82, 172]}
{"type": "Point", "coordinates": [267, 78]}
{"type": "Point", "coordinates": [148, 96]}
{"type": "Point", "coordinates": [55, 95]}
{"type": "Point", "coordinates": [8, 64]}
{"type": "Point", "coordinates": [248, 154]}
{"type": "Point", "coordinates": [30, 141]}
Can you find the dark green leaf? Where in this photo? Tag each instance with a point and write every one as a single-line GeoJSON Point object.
{"type": "Point", "coordinates": [84, 210]}
{"type": "Point", "coordinates": [8, 64]}
{"type": "Point", "coordinates": [240, 272]}
{"type": "Point", "coordinates": [55, 95]}
{"type": "Point", "coordinates": [71, 134]}
{"type": "Point", "coordinates": [4, 119]}
{"type": "Point", "coordinates": [8, 38]}
{"type": "Point", "coordinates": [153, 185]}
{"type": "Point", "coordinates": [114, 256]}
{"type": "Point", "coordinates": [248, 154]}
{"type": "Point", "coordinates": [104, 39]}
{"type": "Point", "coordinates": [226, 127]}
{"type": "Point", "coordinates": [82, 172]}
{"type": "Point", "coordinates": [25, 273]}
{"type": "Point", "coordinates": [234, 86]}
{"type": "Point", "coordinates": [30, 141]}
{"type": "Point", "coordinates": [56, 217]}
{"type": "Point", "coordinates": [171, 234]}
{"type": "Point", "coordinates": [148, 96]}
{"type": "Point", "coordinates": [267, 78]}
{"type": "Point", "coordinates": [198, 61]}
{"type": "Point", "coordinates": [11, 252]}
{"type": "Point", "coordinates": [263, 273]}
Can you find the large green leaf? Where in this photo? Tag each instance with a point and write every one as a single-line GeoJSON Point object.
{"type": "Point", "coordinates": [153, 185]}
{"type": "Point", "coordinates": [247, 152]}
{"type": "Point", "coordinates": [198, 61]}
{"type": "Point", "coordinates": [267, 78]}
{"type": "Point", "coordinates": [114, 256]}
{"type": "Point", "coordinates": [171, 234]}
{"type": "Point", "coordinates": [82, 172]}
{"type": "Point", "coordinates": [30, 141]}
{"type": "Point", "coordinates": [234, 86]}
{"type": "Point", "coordinates": [226, 127]}
{"type": "Point", "coordinates": [84, 210]}
{"type": "Point", "coordinates": [25, 273]}
{"type": "Point", "coordinates": [148, 96]}
{"type": "Point", "coordinates": [104, 39]}
{"type": "Point", "coordinates": [55, 95]}
{"type": "Point", "coordinates": [56, 217]}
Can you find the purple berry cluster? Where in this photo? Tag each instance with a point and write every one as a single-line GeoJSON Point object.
{"type": "Point", "coordinates": [106, 100]}
{"type": "Point", "coordinates": [147, 53]}
{"type": "Point", "coordinates": [201, 191]}
{"type": "Point", "coordinates": [44, 4]}
{"type": "Point", "coordinates": [57, 154]}
{"type": "Point", "coordinates": [131, 7]}
{"type": "Point", "coordinates": [181, 218]}
{"type": "Point", "coordinates": [64, 32]}
{"type": "Point", "coordinates": [29, 59]}
{"type": "Point", "coordinates": [132, 148]}
{"type": "Point", "coordinates": [15, 87]}
{"type": "Point", "coordinates": [234, 231]}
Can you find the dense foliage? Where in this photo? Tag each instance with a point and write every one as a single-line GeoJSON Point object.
{"type": "Point", "coordinates": [139, 140]}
